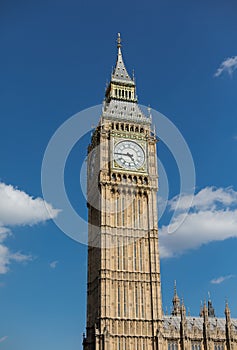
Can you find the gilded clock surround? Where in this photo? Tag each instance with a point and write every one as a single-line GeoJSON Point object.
{"type": "Point", "coordinates": [129, 155]}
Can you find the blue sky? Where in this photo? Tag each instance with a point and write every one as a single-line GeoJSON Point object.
{"type": "Point", "coordinates": [55, 59]}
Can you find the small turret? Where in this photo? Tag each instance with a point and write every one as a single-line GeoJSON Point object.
{"type": "Point", "coordinates": [201, 310]}
{"type": "Point", "coordinates": [176, 302]}
{"type": "Point", "coordinates": [206, 327]}
{"type": "Point", "coordinates": [227, 312]}
{"type": "Point", "coordinates": [211, 310]}
{"type": "Point", "coordinates": [205, 312]}
{"type": "Point", "coordinates": [228, 327]}
{"type": "Point", "coordinates": [183, 311]}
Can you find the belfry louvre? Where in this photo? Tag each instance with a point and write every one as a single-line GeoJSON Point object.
{"type": "Point", "coordinates": [124, 305]}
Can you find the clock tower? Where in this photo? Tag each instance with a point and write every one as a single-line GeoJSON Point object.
{"type": "Point", "coordinates": [124, 308]}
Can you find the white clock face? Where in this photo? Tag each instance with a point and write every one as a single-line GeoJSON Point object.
{"type": "Point", "coordinates": [129, 155]}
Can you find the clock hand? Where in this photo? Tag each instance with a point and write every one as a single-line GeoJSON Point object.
{"type": "Point", "coordinates": [131, 156]}
{"type": "Point", "coordinates": [124, 154]}
{"type": "Point", "coordinates": [121, 154]}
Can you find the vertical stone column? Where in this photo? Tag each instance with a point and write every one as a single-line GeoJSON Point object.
{"type": "Point", "coordinates": [228, 327]}
{"type": "Point", "coordinates": [206, 328]}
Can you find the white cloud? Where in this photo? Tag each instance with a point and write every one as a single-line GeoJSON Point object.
{"type": "Point", "coordinates": [221, 279]}
{"type": "Point", "coordinates": [7, 257]}
{"type": "Point", "coordinates": [53, 264]}
{"type": "Point", "coordinates": [3, 339]}
{"type": "Point", "coordinates": [229, 66]}
{"type": "Point", "coordinates": [212, 217]}
{"type": "Point", "coordinates": [17, 208]}
{"type": "Point", "coordinates": [207, 198]}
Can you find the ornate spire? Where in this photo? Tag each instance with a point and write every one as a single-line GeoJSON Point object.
{"type": "Point", "coordinates": [205, 312]}
{"type": "Point", "coordinates": [120, 73]}
{"type": "Point", "coordinates": [228, 326]}
{"type": "Point", "coordinates": [120, 97]}
{"type": "Point", "coordinates": [206, 326]}
{"type": "Point", "coordinates": [227, 311]}
{"type": "Point", "coordinates": [183, 309]}
{"type": "Point", "coordinates": [176, 302]}
{"type": "Point", "coordinates": [211, 310]}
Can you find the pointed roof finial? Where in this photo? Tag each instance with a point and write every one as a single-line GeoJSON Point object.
{"type": "Point", "coordinates": [133, 75]}
{"type": "Point", "coordinates": [176, 302]}
{"type": "Point", "coordinates": [183, 309]}
{"type": "Point", "coordinates": [120, 74]}
{"type": "Point", "coordinates": [227, 309]}
{"type": "Point", "coordinates": [189, 313]}
{"type": "Point", "coordinates": [205, 311]}
{"type": "Point", "coordinates": [211, 310]}
{"type": "Point", "coordinates": [201, 309]}
{"type": "Point", "coordinates": [119, 41]}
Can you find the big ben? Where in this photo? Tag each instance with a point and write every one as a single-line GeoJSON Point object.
{"type": "Point", "coordinates": [124, 308]}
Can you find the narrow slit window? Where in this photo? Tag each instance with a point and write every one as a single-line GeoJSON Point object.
{"type": "Point", "coordinates": [119, 302]}
{"type": "Point", "coordinates": [123, 212]}
{"type": "Point", "coordinates": [142, 301]}
{"type": "Point", "coordinates": [135, 256]}
{"type": "Point", "coordinates": [118, 255]}
{"type": "Point", "coordinates": [124, 301]}
{"type": "Point", "coordinates": [140, 256]}
{"type": "Point", "coordinates": [139, 212]}
{"type": "Point", "coordinates": [136, 302]}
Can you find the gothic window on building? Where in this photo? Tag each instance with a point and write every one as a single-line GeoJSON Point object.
{"type": "Point", "coordinates": [218, 346]}
{"type": "Point", "coordinates": [119, 302]}
{"type": "Point", "coordinates": [142, 302]}
{"type": "Point", "coordinates": [118, 255]}
{"type": "Point", "coordinates": [134, 213]}
{"type": "Point", "coordinates": [139, 212]}
{"type": "Point", "coordinates": [124, 301]}
{"type": "Point", "coordinates": [172, 345]}
{"type": "Point", "coordinates": [140, 256]}
{"type": "Point", "coordinates": [123, 211]}
{"type": "Point", "coordinates": [117, 209]}
{"type": "Point", "coordinates": [197, 346]}
{"type": "Point", "coordinates": [135, 256]}
{"type": "Point", "coordinates": [136, 302]}
{"type": "Point", "coordinates": [124, 256]}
